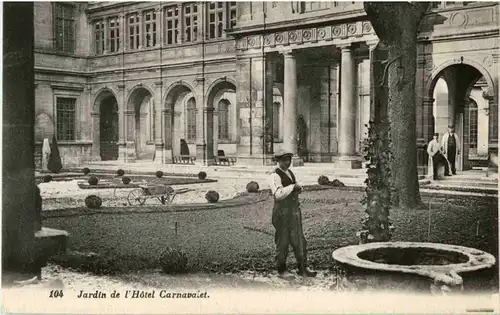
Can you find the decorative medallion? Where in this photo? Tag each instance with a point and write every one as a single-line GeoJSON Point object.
{"type": "Point", "coordinates": [292, 36]}
{"type": "Point", "coordinates": [279, 38]}
{"type": "Point", "coordinates": [429, 65]}
{"type": "Point", "coordinates": [321, 33]}
{"type": "Point", "coordinates": [351, 29]}
{"type": "Point", "coordinates": [488, 61]}
{"type": "Point", "coordinates": [458, 19]}
{"type": "Point", "coordinates": [251, 42]}
{"type": "Point", "coordinates": [307, 35]}
{"type": "Point", "coordinates": [222, 48]}
{"type": "Point", "coordinates": [267, 41]}
{"type": "Point", "coordinates": [336, 31]}
{"type": "Point", "coordinates": [367, 27]}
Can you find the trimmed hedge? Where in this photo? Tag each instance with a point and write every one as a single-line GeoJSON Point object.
{"type": "Point", "coordinates": [323, 180]}
{"type": "Point", "coordinates": [86, 170]}
{"type": "Point", "coordinates": [212, 196]}
{"type": "Point", "coordinates": [126, 180]}
{"type": "Point", "coordinates": [47, 178]}
{"type": "Point", "coordinates": [120, 172]}
{"type": "Point", "coordinates": [253, 187]}
{"type": "Point", "coordinates": [93, 202]}
{"type": "Point", "coordinates": [93, 180]}
{"type": "Point", "coordinates": [202, 175]}
{"type": "Point", "coordinates": [173, 260]}
{"type": "Point", "coordinates": [159, 174]}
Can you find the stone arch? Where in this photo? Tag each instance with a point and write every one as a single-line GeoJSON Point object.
{"type": "Point", "coordinates": [140, 121]}
{"type": "Point", "coordinates": [173, 92]}
{"type": "Point", "coordinates": [217, 85]}
{"type": "Point", "coordinates": [100, 95]}
{"type": "Point", "coordinates": [221, 90]}
{"type": "Point", "coordinates": [173, 112]}
{"type": "Point", "coordinates": [462, 82]}
{"type": "Point", "coordinates": [139, 88]}
{"type": "Point", "coordinates": [431, 81]}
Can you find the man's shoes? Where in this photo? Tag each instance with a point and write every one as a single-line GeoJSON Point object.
{"type": "Point", "coordinates": [434, 178]}
{"type": "Point", "coordinates": [306, 272]}
{"type": "Point", "coordinates": [285, 275]}
{"type": "Point", "coordinates": [455, 173]}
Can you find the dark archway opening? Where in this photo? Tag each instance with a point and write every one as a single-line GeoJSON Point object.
{"type": "Point", "coordinates": [109, 129]}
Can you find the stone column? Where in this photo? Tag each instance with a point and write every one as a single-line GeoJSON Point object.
{"type": "Point", "coordinates": [208, 112]}
{"type": "Point", "coordinates": [141, 30]}
{"type": "Point", "coordinates": [18, 182]}
{"type": "Point", "coordinates": [347, 133]}
{"type": "Point", "coordinates": [250, 104]}
{"type": "Point", "coordinates": [167, 133]}
{"type": "Point", "coordinates": [122, 126]}
{"type": "Point", "coordinates": [96, 136]}
{"type": "Point", "coordinates": [158, 126]}
{"type": "Point", "coordinates": [106, 36]}
{"type": "Point", "coordinates": [130, 154]}
{"type": "Point", "coordinates": [123, 37]}
{"type": "Point", "coordinates": [159, 28]}
{"type": "Point", "coordinates": [290, 106]}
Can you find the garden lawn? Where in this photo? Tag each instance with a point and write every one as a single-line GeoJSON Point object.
{"type": "Point", "coordinates": [241, 238]}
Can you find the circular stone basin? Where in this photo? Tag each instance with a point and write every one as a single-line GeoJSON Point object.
{"type": "Point", "coordinates": [426, 259]}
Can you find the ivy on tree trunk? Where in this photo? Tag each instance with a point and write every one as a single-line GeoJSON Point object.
{"type": "Point", "coordinates": [396, 25]}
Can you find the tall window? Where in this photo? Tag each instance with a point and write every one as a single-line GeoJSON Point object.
{"type": "Point", "coordinates": [99, 37]}
{"type": "Point", "coordinates": [232, 13]}
{"type": "Point", "coordinates": [276, 120]}
{"type": "Point", "coordinates": [190, 22]}
{"type": "Point", "coordinates": [65, 118]}
{"type": "Point", "coordinates": [223, 109]}
{"type": "Point", "coordinates": [191, 119]}
{"type": "Point", "coordinates": [172, 25]}
{"type": "Point", "coordinates": [114, 34]}
{"type": "Point", "coordinates": [472, 124]}
{"type": "Point", "coordinates": [215, 19]}
{"type": "Point", "coordinates": [64, 27]}
{"type": "Point", "coordinates": [133, 31]}
{"type": "Point", "coordinates": [150, 28]}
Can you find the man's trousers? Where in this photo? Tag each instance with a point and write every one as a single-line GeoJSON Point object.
{"type": "Point", "coordinates": [288, 224]}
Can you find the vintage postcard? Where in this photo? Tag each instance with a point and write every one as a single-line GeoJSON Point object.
{"type": "Point", "coordinates": [264, 157]}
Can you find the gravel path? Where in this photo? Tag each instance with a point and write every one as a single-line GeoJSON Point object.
{"type": "Point", "coordinates": [54, 276]}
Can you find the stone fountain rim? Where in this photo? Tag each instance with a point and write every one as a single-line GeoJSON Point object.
{"type": "Point", "coordinates": [349, 255]}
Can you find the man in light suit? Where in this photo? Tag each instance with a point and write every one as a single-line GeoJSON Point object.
{"type": "Point", "coordinates": [434, 151]}
{"type": "Point", "coordinates": [451, 149]}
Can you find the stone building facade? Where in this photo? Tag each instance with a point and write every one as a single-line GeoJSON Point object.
{"type": "Point", "coordinates": [130, 80]}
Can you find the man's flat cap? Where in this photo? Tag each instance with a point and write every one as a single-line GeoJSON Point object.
{"type": "Point", "coordinates": [282, 153]}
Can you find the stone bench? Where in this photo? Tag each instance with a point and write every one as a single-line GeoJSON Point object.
{"type": "Point", "coordinates": [224, 160]}
{"type": "Point", "coordinates": [184, 159]}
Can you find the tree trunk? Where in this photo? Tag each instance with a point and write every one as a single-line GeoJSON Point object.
{"type": "Point", "coordinates": [396, 25]}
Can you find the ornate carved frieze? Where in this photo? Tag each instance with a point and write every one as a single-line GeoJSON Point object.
{"type": "Point", "coordinates": [309, 35]}
{"type": "Point", "coordinates": [462, 17]}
